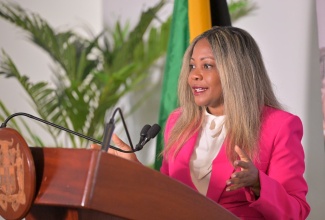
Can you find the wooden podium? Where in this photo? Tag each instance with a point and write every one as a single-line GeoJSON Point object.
{"type": "Point", "coordinates": [91, 184]}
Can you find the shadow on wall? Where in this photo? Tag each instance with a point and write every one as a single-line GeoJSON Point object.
{"type": "Point", "coordinates": [314, 144]}
{"type": "Point", "coordinates": [322, 73]}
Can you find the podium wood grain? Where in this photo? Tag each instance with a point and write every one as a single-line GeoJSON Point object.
{"type": "Point", "coordinates": [90, 184]}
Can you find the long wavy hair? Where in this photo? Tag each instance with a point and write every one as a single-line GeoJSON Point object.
{"type": "Point", "coordinates": [246, 89]}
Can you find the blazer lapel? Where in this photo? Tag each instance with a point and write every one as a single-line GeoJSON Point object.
{"type": "Point", "coordinates": [182, 162]}
{"type": "Point", "coordinates": [221, 172]}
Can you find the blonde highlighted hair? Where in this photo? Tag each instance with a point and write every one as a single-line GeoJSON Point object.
{"type": "Point", "coordinates": [246, 89]}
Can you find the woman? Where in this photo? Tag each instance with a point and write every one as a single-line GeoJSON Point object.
{"type": "Point", "coordinates": [230, 139]}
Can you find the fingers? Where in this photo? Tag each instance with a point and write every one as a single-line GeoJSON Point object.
{"type": "Point", "coordinates": [112, 151]}
{"type": "Point", "coordinates": [99, 147]}
{"type": "Point", "coordinates": [239, 180]}
{"type": "Point", "coordinates": [248, 174]}
{"type": "Point", "coordinates": [241, 164]}
{"type": "Point", "coordinates": [120, 143]}
{"type": "Point", "coordinates": [116, 141]}
{"type": "Point", "coordinates": [243, 156]}
{"type": "Point", "coordinates": [95, 147]}
{"type": "Point", "coordinates": [244, 161]}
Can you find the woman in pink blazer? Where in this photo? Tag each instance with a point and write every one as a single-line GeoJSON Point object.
{"type": "Point", "coordinates": [230, 139]}
{"type": "Point", "coordinates": [280, 169]}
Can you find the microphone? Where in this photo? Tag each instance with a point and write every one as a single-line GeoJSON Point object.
{"type": "Point", "coordinates": [108, 132]}
{"type": "Point", "coordinates": [144, 132]}
{"type": "Point", "coordinates": [109, 128]}
{"type": "Point", "coordinates": [151, 133]}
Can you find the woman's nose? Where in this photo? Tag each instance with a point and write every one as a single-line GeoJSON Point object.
{"type": "Point", "coordinates": [196, 75]}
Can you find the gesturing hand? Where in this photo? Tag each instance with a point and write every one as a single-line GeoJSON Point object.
{"type": "Point", "coordinates": [247, 176]}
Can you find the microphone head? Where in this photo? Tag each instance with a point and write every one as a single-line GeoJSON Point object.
{"type": "Point", "coordinates": [150, 133]}
{"type": "Point", "coordinates": [153, 131]}
{"type": "Point", "coordinates": [145, 130]}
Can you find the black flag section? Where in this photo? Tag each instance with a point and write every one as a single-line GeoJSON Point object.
{"type": "Point", "coordinates": [219, 13]}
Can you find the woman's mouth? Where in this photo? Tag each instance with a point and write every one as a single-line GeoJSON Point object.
{"type": "Point", "coordinates": [198, 90]}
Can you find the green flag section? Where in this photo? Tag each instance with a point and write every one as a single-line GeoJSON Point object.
{"type": "Point", "coordinates": [178, 42]}
{"type": "Point", "coordinates": [189, 19]}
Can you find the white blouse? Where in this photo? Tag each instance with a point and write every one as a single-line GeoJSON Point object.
{"type": "Point", "coordinates": [207, 147]}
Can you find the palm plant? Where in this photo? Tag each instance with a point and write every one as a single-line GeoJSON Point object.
{"type": "Point", "coordinates": [90, 75]}
{"type": "Point", "coordinates": [241, 8]}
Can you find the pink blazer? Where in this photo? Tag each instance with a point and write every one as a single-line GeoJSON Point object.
{"type": "Point", "coordinates": [281, 169]}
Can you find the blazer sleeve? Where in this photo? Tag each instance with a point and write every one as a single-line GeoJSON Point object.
{"type": "Point", "coordinates": [283, 187]}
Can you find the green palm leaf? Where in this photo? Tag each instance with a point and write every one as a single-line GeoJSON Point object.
{"type": "Point", "coordinates": [90, 74]}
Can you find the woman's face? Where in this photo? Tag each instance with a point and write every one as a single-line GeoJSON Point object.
{"type": "Point", "coordinates": [204, 78]}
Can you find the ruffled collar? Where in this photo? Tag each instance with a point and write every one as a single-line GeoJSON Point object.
{"type": "Point", "coordinates": [213, 125]}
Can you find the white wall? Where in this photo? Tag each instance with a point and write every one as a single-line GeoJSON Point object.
{"type": "Point", "coordinates": [285, 31]}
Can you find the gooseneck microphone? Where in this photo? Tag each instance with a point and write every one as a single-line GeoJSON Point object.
{"type": "Point", "coordinates": [109, 128]}
{"type": "Point", "coordinates": [108, 132]}
{"type": "Point", "coordinates": [4, 124]}
{"type": "Point", "coordinates": [144, 132]}
{"type": "Point", "coordinates": [151, 133]}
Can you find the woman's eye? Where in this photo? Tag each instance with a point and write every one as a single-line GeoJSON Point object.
{"type": "Point", "coordinates": [207, 66]}
{"type": "Point", "coordinates": [192, 66]}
